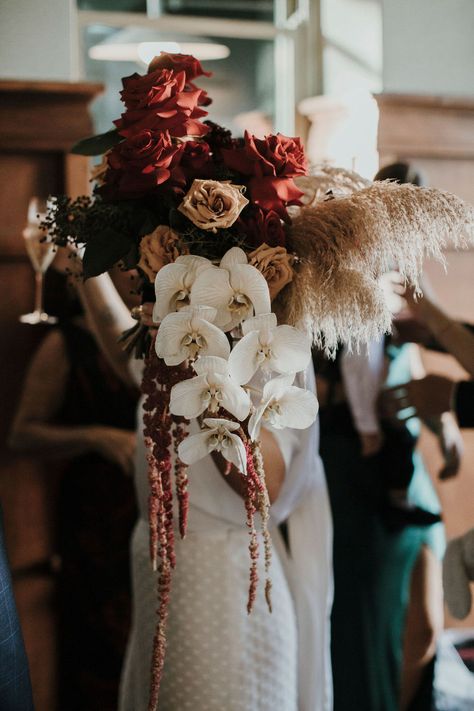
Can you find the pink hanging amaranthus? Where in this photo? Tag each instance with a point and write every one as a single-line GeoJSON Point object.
{"type": "Point", "coordinates": [163, 432]}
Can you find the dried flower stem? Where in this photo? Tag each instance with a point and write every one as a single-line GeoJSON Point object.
{"type": "Point", "coordinates": [263, 507]}
{"type": "Point", "coordinates": [181, 479]}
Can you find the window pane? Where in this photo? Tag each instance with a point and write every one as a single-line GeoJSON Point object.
{"type": "Point", "coordinates": [238, 9]}
{"type": "Point", "coordinates": [113, 6]}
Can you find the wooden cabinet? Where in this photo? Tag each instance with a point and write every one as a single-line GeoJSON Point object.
{"type": "Point", "coordinates": [39, 122]}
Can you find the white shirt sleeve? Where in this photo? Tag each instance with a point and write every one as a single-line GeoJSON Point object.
{"type": "Point", "coordinates": [362, 375]}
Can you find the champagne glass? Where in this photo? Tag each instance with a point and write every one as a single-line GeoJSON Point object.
{"type": "Point", "coordinates": [41, 251]}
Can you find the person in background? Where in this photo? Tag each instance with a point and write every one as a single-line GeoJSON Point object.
{"type": "Point", "coordinates": [434, 395]}
{"type": "Point", "coordinates": [15, 685]}
{"type": "Point", "coordinates": [388, 606]}
{"type": "Point", "coordinates": [74, 408]}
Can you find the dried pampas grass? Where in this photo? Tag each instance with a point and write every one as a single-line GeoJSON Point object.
{"type": "Point", "coordinates": [323, 178]}
{"type": "Point", "coordinates": [345, 244]}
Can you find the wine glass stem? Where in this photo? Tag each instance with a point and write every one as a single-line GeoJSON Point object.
{"type": "Point", "coordinates": [39, 292]}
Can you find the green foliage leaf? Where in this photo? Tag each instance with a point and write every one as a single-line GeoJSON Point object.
{"type": "Point", "coordinates": [97, 145]}
{"type": "Point", "coordinates": [105, 250]}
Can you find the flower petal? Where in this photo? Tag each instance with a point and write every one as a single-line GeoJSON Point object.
{"type": "Point", "coordinates": [211, 364]}
{"type": "Point", "coordinates": [192, 262]}
{"type": "Point", "coordinates": [212, 287]}
{"type": "Point", "coordinates": [186, 397]}
{"type": "Point", "coordinates": [208, 313]}
{"type": "Point", "coordinates": [215, 422]}
{"type": "Point", "coordinates": [299, 409]}
{"type": "Point", "coordinates": [194, 447]}
{"type": "Point", "coordinates": [255, 422]}
{"type": "Point", "coordinates": [237, 454]}
{"type": "Point", "coordinates": [233, 256]}
{"type": "Point", "coordinates": [168, 283]}
{"type": "Point", "coordinates": [235, 400]}
{"type": "Point", "coordinates": [245, 279]}
{"type": "Point", "coordinates": [257, 323]}
{"type": "Point", "coordinates": [243, 362]}
{"type": "Point", "coordinates": [276, 387]}
{"type": "Point", "coordinates": [216, 340]}
{"type": "Point", "coordinates": [171, 332]}
{"type": "Point", "coordinates": [291, 350]}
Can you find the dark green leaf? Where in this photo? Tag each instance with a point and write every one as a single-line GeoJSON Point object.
{"type": "Point", "coordinates": [97, 145]}
{"type": "Point", "coordinates": [103, 251]}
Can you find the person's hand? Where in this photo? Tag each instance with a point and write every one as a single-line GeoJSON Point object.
{"type": "Point", "coordinates": [452, 446]}
{"type": "Point", "coordinates": [427, 397]}
{"type": "Point", "coordinates": [408, 329]}
{"type": "Point", "coordinates": [115, 445]}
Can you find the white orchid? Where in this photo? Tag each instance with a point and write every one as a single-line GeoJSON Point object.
{"type": "Point", "coordinates": [235, 288]}
{"type": "Point", "coordinates": [173, 284]}
{"type": "Point", "coordinates": [218, 436]}
{"type": "Point", "coordinates": [210, 390]}
{"type": "Point", "coordinates": [189, 333]}
{"type": "Point", "coordinates": [283, 349]}
{"type": "Point", "coordinates": [284, 405]}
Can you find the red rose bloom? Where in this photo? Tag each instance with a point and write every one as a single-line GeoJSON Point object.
{"type": "Point", "coordinates": [272, 163]}
{"type": "Point", "coordinates": [260, 227]}
{"type": "Point", "coordinates": [277, 156]}
{"type": "Point", "coordinates": [142, 162]}
{"type": "Point", "coordinates": [179, 63]}
{"type": "Point", "coordinates": [195, 156]}
{"type": "Point", "coordinates": [160, 101]}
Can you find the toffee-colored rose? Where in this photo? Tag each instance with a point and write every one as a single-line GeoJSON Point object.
{"type": "Point", "coordinates": [160, 101]}
{"type": "Point", "coordinates": [212, 205]}
{"type": "Point", "coordinates": [276, 266]}
{"type": "Point", "coordinates": [160, 247]}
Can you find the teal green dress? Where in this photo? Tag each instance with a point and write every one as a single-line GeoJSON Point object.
{"type": "Point", "coordinates": [372, 566]}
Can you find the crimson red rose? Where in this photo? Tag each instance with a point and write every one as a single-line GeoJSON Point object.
{"type": "Point", "coordinates": [275, 155]}
{"type": "Point", "coordinates": [179, 63]}
{"type": "Point", "coordinates": [142, 162]}
{"type": "Point", "coordinates": [260, 227]}
{"type": "Point", "coordinates": [195, 158]}
{"type": "Point", "coordinates": [271, 163]}
{"type": "Point", "coordinates": [160, 101]}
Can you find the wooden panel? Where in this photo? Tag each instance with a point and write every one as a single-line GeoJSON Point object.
{"type": "Point", "coordinates": [435, 133]}
{"type": "Point", "coordinates": [44, 116]}
{"type": "Point", "coordinates": [38, 123]}
{"type": "Point", "coordinates": [23, 175]}
{"type": "Point", "coordinates": [426, 126]}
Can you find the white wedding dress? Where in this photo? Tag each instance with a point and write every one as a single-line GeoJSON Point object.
{"type": "Point", "coordinates": [219, 658]}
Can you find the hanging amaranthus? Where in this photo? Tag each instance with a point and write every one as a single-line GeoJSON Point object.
{"type": "Point", "coordinates": [163, 433]}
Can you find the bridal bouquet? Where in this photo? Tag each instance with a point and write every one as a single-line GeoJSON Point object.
{"type": "Point", "coordinates": [247, 260]}
{"type": "Point", "coordinates": [202, 216]}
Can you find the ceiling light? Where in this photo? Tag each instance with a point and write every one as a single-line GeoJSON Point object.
{"type": "Point", "coordinates": [135, 44]}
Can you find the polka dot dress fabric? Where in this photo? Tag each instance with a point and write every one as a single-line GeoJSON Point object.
{"type": "Point", "coordinates": [218, 657]}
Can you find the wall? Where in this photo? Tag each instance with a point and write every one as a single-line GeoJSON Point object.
{"type": "Point", "coordinates": [39, 40]}
{"type": "Point", "coordinates": [428, 46]}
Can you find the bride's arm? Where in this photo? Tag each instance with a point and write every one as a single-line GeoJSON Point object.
{"type": "Point", "coordinates": [108, 317]}
{"type": "Point", "coordinates": [273, 463]}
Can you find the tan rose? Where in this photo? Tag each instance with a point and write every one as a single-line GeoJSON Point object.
{"type": "Point", "coordinates": [275, 265]}
{"type": "Point", "coordinates": [210, 204]}
{"type": "Point", "coordinates": [160, 247]}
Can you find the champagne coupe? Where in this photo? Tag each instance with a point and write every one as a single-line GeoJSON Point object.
{"type": "Point", "coordinates": [41, 251]}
